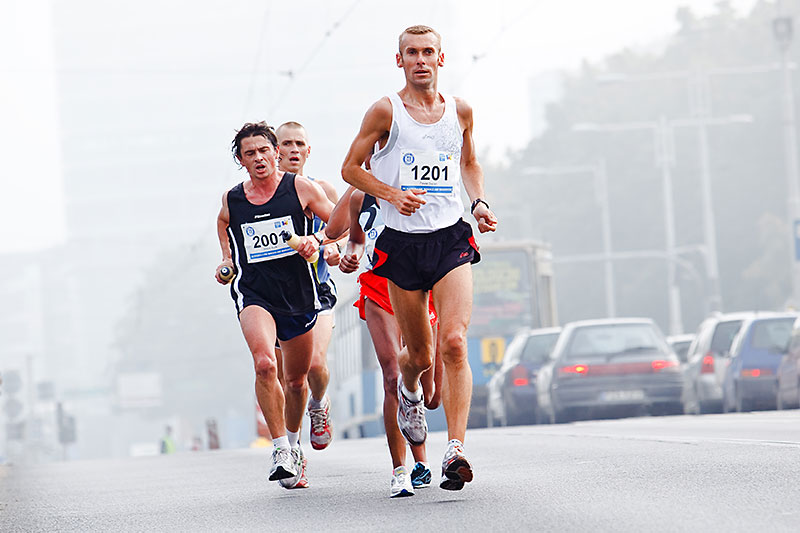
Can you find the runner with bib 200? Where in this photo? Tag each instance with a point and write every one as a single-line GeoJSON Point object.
{"type": "Point", "coordinates": [422, 154]}
{"type": "Point", "coordinates": [274, 288]}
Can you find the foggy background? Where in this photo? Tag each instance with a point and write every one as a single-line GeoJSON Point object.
{"type": "Point", "coordinates": [115, 127]}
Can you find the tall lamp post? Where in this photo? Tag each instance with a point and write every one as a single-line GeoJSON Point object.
{"type": "Point", "coordinates": [664, 131]}
{"type": "Point", "coordinates": [782, 31]}
{"type": "Point", "coordinates": [598, 171]}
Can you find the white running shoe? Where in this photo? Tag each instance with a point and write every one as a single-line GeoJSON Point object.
{"type": "Point", "coordinates": [321, 428]}
{"type": "Point", "coordinates": [411, 418]}
{"type": "Point", "coordinates": [282, 464]}
{"type": "Point", "coordinates": [299, 481]}
{"type": "Point", "coordinates": [401, 483]}
{"type": "Point", "coordinates": [456, 470]}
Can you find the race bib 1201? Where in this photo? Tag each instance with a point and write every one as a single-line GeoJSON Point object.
{"type": "Point", "coordinates": [431, 172]}
{"type": "Point", "coordinates": [263, 241]}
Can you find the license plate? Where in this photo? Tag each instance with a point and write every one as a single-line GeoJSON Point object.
{"type": "Point", "coordinates": [622, 395]}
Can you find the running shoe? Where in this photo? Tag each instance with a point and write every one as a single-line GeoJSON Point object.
{"type": "Point", "coordinates": [321, 428]}
{"type": "Point", "coordinates": [401, 483]}
{"type": "Point", "coordinates": [299, 481]}
{"type": "Point", "coordinates": [456, 470]}
{"type": "Point", "coordinates": [421, 476]}
{"type": "Point", "coordinates": [411, 418]}
{"type": "Point", "coordinates": [282, 464]}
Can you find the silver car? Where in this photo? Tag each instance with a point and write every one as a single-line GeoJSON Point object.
{"type": "Point", "coordinates": [608, 366]}
{"type": "Point", "coordinates": [707, 361]}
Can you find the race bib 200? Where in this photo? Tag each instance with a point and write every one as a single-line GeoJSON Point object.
{"type": "Point", "coordinates": [263, 241]}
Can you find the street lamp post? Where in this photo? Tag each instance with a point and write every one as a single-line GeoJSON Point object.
{"type": "Point", "coordinates": [598, 171]}
{"type": "Point", "coordinates": [782, 30]}
{"type": "Point", "coordinates": [664, 131]}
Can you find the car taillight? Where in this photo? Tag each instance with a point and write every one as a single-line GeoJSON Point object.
{"type": "Point", "coordinates": [519, 376]}
{"type": "Point", "coordinates": [708, 364]}
{"type": "Point", "coordinates": [660, 364]}
{"type": "Point", "coordinates": [756, 372]}
{"type": "Point", "coordinates": [574, 369]}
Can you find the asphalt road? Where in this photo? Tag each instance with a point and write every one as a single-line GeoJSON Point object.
{"type": "Point", "coordinates": [735, 472]}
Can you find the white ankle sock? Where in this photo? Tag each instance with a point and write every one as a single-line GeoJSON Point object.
{"type": "Point", "coordinates": [415, 396]}
{"type": "Point", "coordinates": [315, 404]}
{"type": "Point", "coordinates": [281, 442]}
{"type": "Point", "coordinates": [294, 438]}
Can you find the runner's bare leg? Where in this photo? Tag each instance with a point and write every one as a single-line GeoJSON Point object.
{"type": "Point", "coordinates": [452, 297]}
{"type": "Point", "coordinates": [258, 328]}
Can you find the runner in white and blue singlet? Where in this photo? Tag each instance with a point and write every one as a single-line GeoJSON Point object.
{"type": "Point", "coordinates": [425, 155]}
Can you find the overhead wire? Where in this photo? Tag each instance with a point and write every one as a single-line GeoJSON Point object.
{"type": "Point", "coordinates": [294, 74]}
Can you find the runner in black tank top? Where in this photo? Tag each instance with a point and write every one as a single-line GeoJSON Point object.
{"type": "Point", "coordinates": [270, 274]}
{"type": "Point", "coordinates": [274, 288]}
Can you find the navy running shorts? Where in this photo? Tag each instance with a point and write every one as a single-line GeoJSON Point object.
{"type": "Point", "coordinates": [327, 297]}
{"type": "Point", "coordinates": [291, 326]}
{"type": "Point", "coordinates": [416, 261]}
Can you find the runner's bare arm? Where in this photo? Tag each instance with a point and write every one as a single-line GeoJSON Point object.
{"type": "Point", "coordinates": [223, 219]}
{"type": "Point", "coordinates": [339, 221]}
{"type": "Point", "coordinates": [375, 126]}
{"type": "Point", "coordinates": [315, 202]}
{"type": "Point", "coordinates": [355, 244]}
{"type": "Point", "coordinates": [471, 171]}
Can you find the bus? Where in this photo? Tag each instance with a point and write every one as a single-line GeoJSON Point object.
{"type": "Point", "coordinates": [513, 289]}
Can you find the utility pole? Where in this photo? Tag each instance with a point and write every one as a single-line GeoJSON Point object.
{"type": "Point", "coordinates": [664, 133]}
{"type": "Point", "coordinates": [598, 171]}
{"type": "Point", "coordinates": [782, 31]}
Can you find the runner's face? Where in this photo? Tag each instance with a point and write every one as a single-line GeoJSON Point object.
{"type": "Point", "coordinates": [420, 59]}
{"type": "Point", "coordinates": [258, 157]}
{"type": "Point", "coordinates": [293, 149]}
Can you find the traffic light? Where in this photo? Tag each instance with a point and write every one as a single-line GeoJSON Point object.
{"type": "Point", "coordinates": [11, 385]}
{"type": "Point", "coordinates": [66, 426]}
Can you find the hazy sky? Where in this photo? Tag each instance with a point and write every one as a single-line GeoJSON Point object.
{"type": "Point", "coordinates": [494, 53]}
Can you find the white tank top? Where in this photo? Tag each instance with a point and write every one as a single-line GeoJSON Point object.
{"type": "Point", "coordinates": [422, 156]}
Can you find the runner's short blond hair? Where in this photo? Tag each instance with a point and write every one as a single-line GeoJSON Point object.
{"type": "Point", "coordinates": [419, 30]}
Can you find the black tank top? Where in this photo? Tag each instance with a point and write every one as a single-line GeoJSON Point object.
{"type": "Point", "coordinates": [268, 270]}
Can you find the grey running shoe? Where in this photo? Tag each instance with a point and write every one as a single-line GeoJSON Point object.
{"type": "Point", "coordinates": [456, 470]}
{"type": "Point", "coordinates": [282, 464]}
{"type": "Point", "coordinates": [299, 481]}
{"type": "Point", "coordinates": [401, 483]}
{"type": "Point", "coordinates": [411, 418]}
{"type": "Point", "coordinates": [321, 428]}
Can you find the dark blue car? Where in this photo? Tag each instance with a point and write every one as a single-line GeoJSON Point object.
{"type": "Point", "coordinates": [756, 353]}
{"type": "Point", "coordinates": [511, 396]}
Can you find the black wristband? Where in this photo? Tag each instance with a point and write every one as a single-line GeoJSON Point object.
{"type": "Point", "coordinates": [475, 204]}
{"type": "Point", "coordinates": [319, 241]}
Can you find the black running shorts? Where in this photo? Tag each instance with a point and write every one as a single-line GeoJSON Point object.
{"type": "Point", "coordinates": [416, 261]}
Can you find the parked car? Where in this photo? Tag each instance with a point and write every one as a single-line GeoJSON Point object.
{"type": "Point", "coordinates": [604, 365]}
{"type": "Point", "coordinates": [680, 345]}
{"type": "Point", "coordinates": [788, 378]}
{"type": "Point", "coordinates": [756, 352]}
{"type": "Point", "coordinates": [707, 361]}
{"type": "Point", "coordinates": [512, 390]}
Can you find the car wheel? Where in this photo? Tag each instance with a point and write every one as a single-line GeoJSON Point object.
{"type": "Point", "coordinates": [742, 405]}
{"type": "Point", "coordinates": [560, 417]}
{"type": "Point", "coordinates": [490, 420]}
{"type": "Point", "coordinates": [779, 405]}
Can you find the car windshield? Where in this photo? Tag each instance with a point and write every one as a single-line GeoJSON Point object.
{"type": "Point", "coordinates": [772, 334]}
{"type": "Point", "coordinates": [723, 336]}
{"type": "Point", "coordinates": [681, 349]}
{"type": "Point", "coordinates": [538, 348]}
{"type": "Point", "coordinates": [613, 339]}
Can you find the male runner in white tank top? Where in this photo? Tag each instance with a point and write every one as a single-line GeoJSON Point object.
{"type": "Point", "coordinates": [422, 154]}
